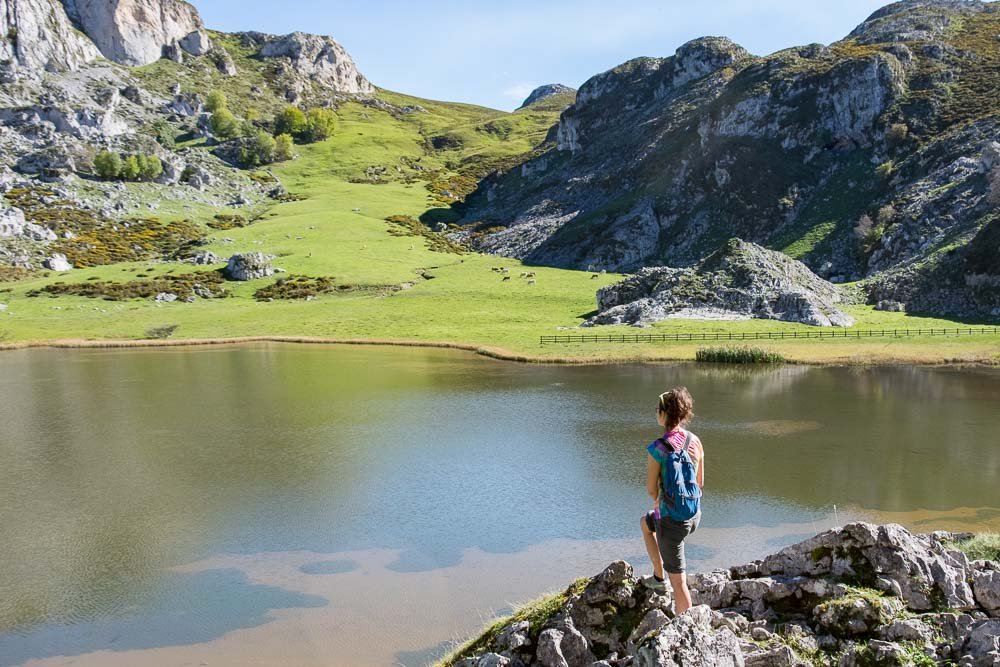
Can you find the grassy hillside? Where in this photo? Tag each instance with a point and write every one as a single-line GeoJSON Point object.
{"type": "Point", "coordinates": [387, 282]}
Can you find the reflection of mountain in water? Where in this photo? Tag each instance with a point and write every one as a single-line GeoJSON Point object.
{"type": "Point", "coordinates": [184, 609]}
{"type": "Point", "coordinates": [326, 449]}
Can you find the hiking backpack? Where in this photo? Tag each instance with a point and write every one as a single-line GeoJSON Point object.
{"type": "Point", "coordinates": [680, 493]}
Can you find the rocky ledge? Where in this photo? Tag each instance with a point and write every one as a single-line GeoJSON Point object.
{"type": "Point", "coordinates": [859, 595]}
{"type": "Point", "coordinates": [739, 281]}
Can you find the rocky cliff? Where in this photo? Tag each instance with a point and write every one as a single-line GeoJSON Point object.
{"type": "Point", "coordinates": [870, 158]}
{"type": "Point", "coordinates": [58, 35]}
{"type": "Point", "coordinates": [855, 596]}
{"type": "Point", "coordinates": [138, 32]}
{"type": "Point", "coordinates": [37, 34]}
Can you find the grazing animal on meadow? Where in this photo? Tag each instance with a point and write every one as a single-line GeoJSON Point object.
{"type": "Point", "coordinates": [596, 275]}
{"type": "Point", "coordinates": [505, 278]}
{"type": "Point", "coordinates": [531, 274]}
{"type": "Point", "coordinates": [531, 281]}
{"type": "Point", "coordinates": [603, 271]}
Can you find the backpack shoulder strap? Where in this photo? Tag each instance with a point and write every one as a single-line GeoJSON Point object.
{"type": "Point", "coordinates": [687, 442]}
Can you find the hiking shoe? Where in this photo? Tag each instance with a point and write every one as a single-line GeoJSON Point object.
{"type": "Point", "coordinates": [653, 584]}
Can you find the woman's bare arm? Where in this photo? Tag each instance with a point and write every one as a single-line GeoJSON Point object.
{"type": "Point", "coordinates": [701, 467]}
{"type": "Point", "coordinates": [652, 477]}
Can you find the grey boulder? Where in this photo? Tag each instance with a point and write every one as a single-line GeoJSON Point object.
{"type": "Point", "coordinates": [249, 266]}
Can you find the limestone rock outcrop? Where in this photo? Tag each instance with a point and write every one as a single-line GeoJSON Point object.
{"type": "Point", "coordinates": [13, 225]}
{"type": "Point", "coordinates": [739, 281]}
{"type": "Point", "coordinates": [319, 59]}
{"type": "Point", "coordinates": [249, 266]}
{"type": "Point", "coordinates": [38, 35]}
{"type": "Point", "coordinates": [138, 32]}
{"type": "Point", "coordinates": [545, 92]}
{"type": "Point", "coordinates": [859, 595]}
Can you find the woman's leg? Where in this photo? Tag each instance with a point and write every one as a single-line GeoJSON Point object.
{"type": "Point", "coordinates": [670, 537]}
{"type": "Point", "coordinates": [652, 548]}
{"type": "Point", "coordinates": [682, 596]}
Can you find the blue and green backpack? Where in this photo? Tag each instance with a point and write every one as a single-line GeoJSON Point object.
{"type": "Point", "coordinates": [681, 495]}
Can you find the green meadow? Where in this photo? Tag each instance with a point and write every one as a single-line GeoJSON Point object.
{"type": "Point", "coordinates": [338, 231]}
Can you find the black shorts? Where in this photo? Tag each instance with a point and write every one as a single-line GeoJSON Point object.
{"type": "Point", "coordinates": [670, 537]}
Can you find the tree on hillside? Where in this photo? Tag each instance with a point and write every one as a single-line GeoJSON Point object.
{"type": "Point", "coordinates": [886, 214]}
{"type": "Point", "coordinates": [283, 148]}
{"type": "Point", "coordinates": [216, 101]}
{"type": "Point", "coordinates": [150, 167]}
{"type": "Point", "coordinates": [258, 149]}
{"type": "Point", "coordinates": [319, 125]}
{"type": "Point", "coordinates": [224, 124]}
{"type": "Point", "coordinates": [290, 120]}
{"type": "Point", "coordinates": [864, 228]}
{"type": "Point", "coordinates": [107, 165]}
{"type": "Point", "coordinates": [130, 168]}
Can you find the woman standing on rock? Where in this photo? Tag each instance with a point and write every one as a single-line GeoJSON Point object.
{"type": "Point", "coordinates": [675, 475]}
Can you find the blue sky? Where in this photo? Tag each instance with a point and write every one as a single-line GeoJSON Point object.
{"type": "Point", "coordinates": [494, 53]}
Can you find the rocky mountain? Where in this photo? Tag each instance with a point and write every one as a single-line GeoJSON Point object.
{"type": "Point", "coordinates": [853, 596]}
{"type": "Point", "coordinates": [132, 76]}
{"type": "Point", "coordinates": [872, 159]}
{"type": "Point", "coordinates": [545, 92]}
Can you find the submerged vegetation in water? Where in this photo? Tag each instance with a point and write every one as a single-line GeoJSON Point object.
{"type": "Point", "coordinates": [738, 355]}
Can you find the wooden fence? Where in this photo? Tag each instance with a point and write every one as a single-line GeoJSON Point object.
{"type": "Point", "coordinates": [762, 335]}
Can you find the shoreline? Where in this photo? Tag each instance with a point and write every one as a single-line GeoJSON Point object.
{"type": "Point", "coordinates": [498, 353]}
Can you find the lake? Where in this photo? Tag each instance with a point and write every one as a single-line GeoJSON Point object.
{"type": "Point", "coordinates": [348, 505]}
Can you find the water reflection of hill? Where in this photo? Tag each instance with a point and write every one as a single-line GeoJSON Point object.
{"type": "Point", "coordinates": [117, 465]}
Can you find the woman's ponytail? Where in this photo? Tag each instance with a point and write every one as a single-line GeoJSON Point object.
{"type": "Point", "coordinates": [678, 406]}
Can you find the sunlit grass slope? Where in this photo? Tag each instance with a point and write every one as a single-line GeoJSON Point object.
{"type": "Point", "coordinates": [339, 230]}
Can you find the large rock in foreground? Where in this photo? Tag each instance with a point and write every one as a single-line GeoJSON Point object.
{"type": "Point", "coordinates": [859, 595]}
{"type": "Point", "coordinates": [739, 281]}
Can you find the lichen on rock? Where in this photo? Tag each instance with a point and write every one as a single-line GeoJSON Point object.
{"type": "Point", "coordinates": [858, 595]}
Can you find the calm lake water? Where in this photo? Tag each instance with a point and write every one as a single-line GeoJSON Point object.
{"type": "Point", "coordinates": [278, 505]}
